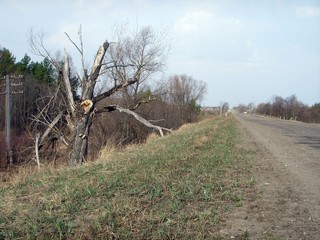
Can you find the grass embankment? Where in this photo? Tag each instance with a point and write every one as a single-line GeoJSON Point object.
{"type": "Point", "coordinates": [180, 186]}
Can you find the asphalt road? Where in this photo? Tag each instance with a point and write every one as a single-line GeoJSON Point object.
{"type": "Point", "coordinates": [298, 132]}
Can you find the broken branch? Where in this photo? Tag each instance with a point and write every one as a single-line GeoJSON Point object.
{"type": "Point", "coordinates": [136, 116]}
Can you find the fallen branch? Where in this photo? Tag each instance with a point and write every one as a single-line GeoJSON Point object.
{"type": "Point", "coordinates": [145, 122]}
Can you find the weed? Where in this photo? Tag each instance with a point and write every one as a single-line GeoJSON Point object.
{"type": "Point", "coordinates": [251, 182]}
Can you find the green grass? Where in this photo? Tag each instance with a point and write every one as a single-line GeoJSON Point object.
{"type": "Point", "coordinates": [177, 187]}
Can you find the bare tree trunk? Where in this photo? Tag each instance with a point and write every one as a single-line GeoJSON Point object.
{"type": "Point", "coordinates": [79, 148]}
{"type": "Point", "coordinates": [80, 140]}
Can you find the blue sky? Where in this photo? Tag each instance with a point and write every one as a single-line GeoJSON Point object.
{"type": "Point", "coordinates": [245, 50]}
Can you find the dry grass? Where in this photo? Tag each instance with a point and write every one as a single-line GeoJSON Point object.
{"type": "Point", "coordinates": [152, 137]}
{"type": "Point", "coordinates": [180, 190]}
{"type": "Point", "coordinates": [18, 174]}
{"type": "Point", "coordinates": [184, 127]}
{"type": "Point", "coordinates": [108, 150]}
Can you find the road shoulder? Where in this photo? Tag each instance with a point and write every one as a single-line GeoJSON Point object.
{"type": "Point", "coordinates": [279, 208]}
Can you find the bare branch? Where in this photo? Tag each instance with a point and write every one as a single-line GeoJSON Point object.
{"type": "Point", "coordinates": [50, 127]}
{"type": "Point", "coordinates": [104, 64]}
{"type": "Point", "coordinates": [66, 81]}
{"type": "Point", "coordinates": [80, 51]}
{"type": "Point", "coordinates": [38, 48]}
{"type": "Point", "coordinates": [113, 90]}
{"type": "Point", "coordinates": [136, 116]}
{"type": "Point", "coordinates": [143, 101]}
{"type": "Point", "coordinates": [115, 66]}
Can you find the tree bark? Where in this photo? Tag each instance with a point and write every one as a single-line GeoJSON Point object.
{"type": "Point", "coordinates": [80, 141]}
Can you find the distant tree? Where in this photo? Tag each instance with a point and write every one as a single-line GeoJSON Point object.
{"type": "Point", "coordinates": [7, 62]}
{"type": "Point", "coordinates": [241, 108]}
{"type": "Point", "coordinates": [23, 66]}
{"type": "Point", "coordinates": [186, 93]}
{"type": "Point", "coordinates": [290, 108]}
{"type": "Point", "coordinates": [43, 71]}
{"type": "Point", "coordinates": [278, 107]}
{"type": "Point", "coordinates": [264, 108]}
{"type": "Point", "coordinates": [315, 113]}
{"type": "Point", "coordinates": [316, 106]}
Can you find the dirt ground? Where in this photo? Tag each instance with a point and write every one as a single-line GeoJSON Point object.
{"type": "Point", "coordinates": [287, 174]}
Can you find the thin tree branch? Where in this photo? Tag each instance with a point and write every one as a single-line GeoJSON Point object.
{"type": "Point", "coordinates": [116, 66]}
{"type": "Point", "coordinates": [113, 90]}
{"type": "Point", "coordinates": [141, 102]}
{"type": "Point", "coordinates": [80, 51]}
{"type": "Point", "coordinates": [38, 48]}
{"type": "Point", "coordinates": [120, 65]}
{"type": "Point", "coordinates": [82, 54]}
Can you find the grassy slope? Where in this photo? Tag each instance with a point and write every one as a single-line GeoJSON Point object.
{"type": "Point", "coordinates": [179, 186]}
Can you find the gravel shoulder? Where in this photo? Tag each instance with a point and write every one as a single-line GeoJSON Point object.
{"type": "Point", "coordinates": [287, 173]}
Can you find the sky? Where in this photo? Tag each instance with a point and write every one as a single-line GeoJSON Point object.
{"type": "Point", "coordinates": [244, 50]}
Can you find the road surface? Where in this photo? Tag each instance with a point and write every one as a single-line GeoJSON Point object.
{"type": "Point", "coordinates": [287, 173]}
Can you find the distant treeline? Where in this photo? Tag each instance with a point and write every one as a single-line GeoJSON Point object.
{"type": "Point", "coordinates": [289, 108]}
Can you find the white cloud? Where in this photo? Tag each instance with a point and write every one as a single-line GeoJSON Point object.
{"type": "Point", "coordinates": [203, 34]}
{"type": "Point", "coordinates": [307, 11]}
{"type": "Point", "coordinates": [193, 21]}
{"type": "Point", "coordinates": [204, 22]}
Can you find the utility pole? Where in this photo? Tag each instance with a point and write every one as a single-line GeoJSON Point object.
{"type": "Point", "coordinates": [8, 113]}
{"type": "Point", "coordinates": [8, 120]}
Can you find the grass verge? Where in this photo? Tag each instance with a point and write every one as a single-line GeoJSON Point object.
{"type": "Point", "coordinates": [177, 187]}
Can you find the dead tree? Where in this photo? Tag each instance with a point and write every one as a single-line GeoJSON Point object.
{"type": "Point", "coordinates": [80, 115]}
